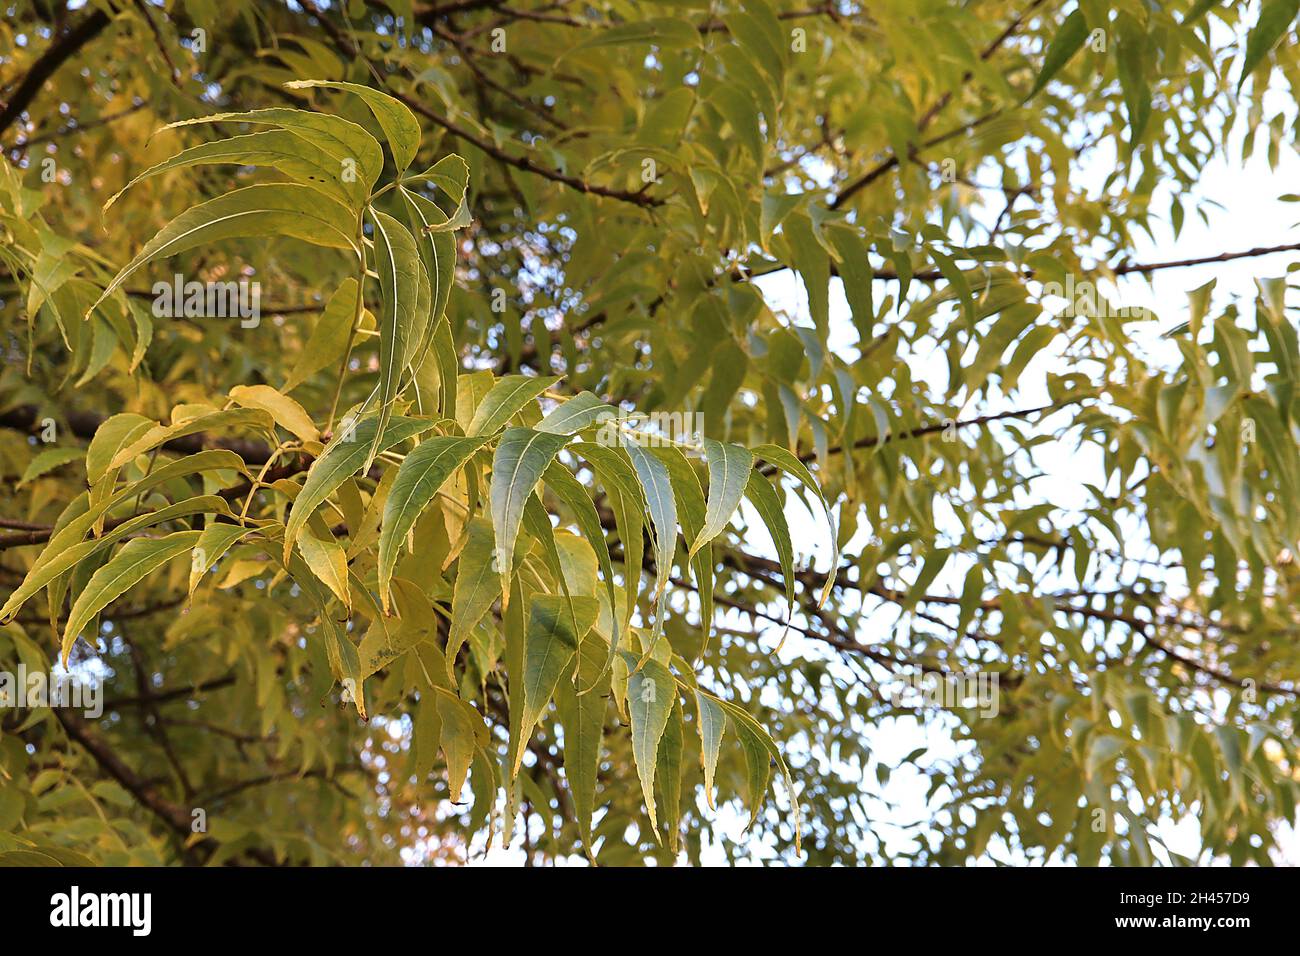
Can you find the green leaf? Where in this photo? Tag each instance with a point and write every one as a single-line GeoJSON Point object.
{"type": "Point", "coordinates": [437, 248]}
{"type": "Point", "coordinates": [781, 458]}
{"type": "Point", "coordinates": [341, 460]}
{"type": "Point", "coordinates": [77, 528]}
{"type": "Point", "coordinates": [328, 561]}
{"type": "Point", "coordinates": [1102, 749]}
{"type": "Point", "coordinates": [1068, 41]}
{"type": "Point", "coordinates": [268, 209]}
{"type": "Point", "coordinates": [668, 773]}
{"type": "Point", "coordinates": [667, 32]}
{"type": "Point", "coordinates": [214, 541]}
{"type": "Point", "coordinates": [113, 434]}
{"type": "Point", "coordinates": [768, 504]}
{"type": "Point", "coordinates": [662, 506]}
{"type": "Point", "coordinates": [65, 551]}
{"type": "Point", "coordinates": [426, 469]}
{"type": "Point", "coordinates": [1275, 18]}
{"type": "Point", "coordinates": [760, 753]}
{"type": "Point", "coordinates": [521, 456]}
{"type": "Point", "coordinates": [127, 568]}
{"type": "Point", "coordinates": [577, 413]}
{"type": "Point", "coordinates": [279, 149]}
{"type": "Point", "coordinates": [572, 492]}
{"type": "Point", "coordinates": [508, 396]}
{"type": "Point", "coordinates": [582, 717]}
{"type": "Point", "coordinates": [329, 337]}
{"type": "Point", "coordinates": [158, 435]}
{"type": "Point", "coordinates": [460, 728]}
{"type": "Point", "coordinates": [712, 726]}
{"type": "Point", "coordinates": [618, 478]}
{"type": "Point", "coordinates": [47, 460]}
{"type": "Point", "coordinates": [729, 468]}
{"type": "Point", "coordinates": [398, 265]}
{"type": "Point", "coordinates": [395, 118]}
{"type": "Point", "coordinates": [348, 144]}
{"type": "Point", "coordinates": [550, 643]}
{"type": "Point", "coordinates": [477, 585]}
{"type": "Point", "coordinates": [651, 693]}
{"type": "Point", "coordinates": [450, 174]}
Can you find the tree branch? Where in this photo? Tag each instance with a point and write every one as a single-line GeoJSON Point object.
{"type": "Point", "coordinates": [65, 46]}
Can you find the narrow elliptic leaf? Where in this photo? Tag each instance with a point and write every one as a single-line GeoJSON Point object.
{"type": "Point", "coordinates": [477, 586]}
{"type": "Point", "coordinates": [657, 487]}
{"type": "Point", "coordinates": [77, 528]}
{"type": "Point", "coordinates": [395, 118]}
{"type": "Point", "coordinates": [550, 643]}
{"type": "Point", "coordinates": [341, 460]}
{"type": "Point", "coordinates": [618, 478]}
{"type": "Point", "coordinates": [761, 753]}
{"type": "Point", "coordinates": [668, 773]}
{"type": "Point", "coordinates": [572, 492]}
{"type": "Point", "coordinates": [521, 456]}
{"type": "Point", "coordinates": [125, 569]}
{"type": "Point", "coordinates": [213, 543]}
{"type": "Point", "coordinates": [356, 153]}
{"type": "Point", "coordinates": [651, 693]}
{"type": "Point", "coordinates": [329, 337]}
{"type": "Point", "coordinates": [328, 561]}
{"type": "Point", "coordinates": [287, 413]}
{"type": "Point", "coordinates": [267, 209]}
{"type": "Point", "coordinates": [768, 504]}
{"type": "Point", "coordinates": [450, 174]}
{"type": "Point", "coordinates": [159, 435]}
{"type": "Point", "coordinates": [278, 149]}
{"type": "Point", "coordinates": [712, 725]}
{"type": "Point", "coordinates": [419, 479]}
{"type": "Point", "coordinates": [576, 414]}
{"type": "Point", "coordinates": [63, 555]}
{"type": "Point", "coordinates": [781, 458]}
{"type": "Point", "coordinates": [113, 434]}
{"type": "Point", "coordinates": [1101, 750]}
{"type": "Point", "coordinates": [729, 467]}
{"type": "Point", "coordinates": [457, 738]}
{"type": "Point", "coordinates": [1275, 18]}
{"type": "Point", "coordinates": [583, 718]}
{"type": "Point", "coordinates": [47, 460]}
{"type": "Point", "coordinates": [508, 396]}
{"type": "Point", "coordinates": [1069, 39]}
{"type": "Point", "coordinates": [398, 266]}
{"type": "Point", "coordinates": [689, 495]}
{"type": "Point", "coordinates": [438, 251]}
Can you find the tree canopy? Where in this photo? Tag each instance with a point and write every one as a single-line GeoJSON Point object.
{"type": "Point", "coordinates": [401, 431]}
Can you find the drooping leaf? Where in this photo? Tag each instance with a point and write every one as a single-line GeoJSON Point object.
{"type": "Point", "coordinates": [267, 209]}
{"type": "Point", "coordinates": [342, 459]}
{"type": "Point", "coordinates": [426, 469]}
{"type": "Point", "coordinates": [550, 643]}
{"type": "Point", "coordinates": [729, 468]}
{"type": "Point", "coordinates": [137, 559]}
{"type": "Point", "coordinates": [395, 118]}
{"type": "Point", "coordinates": [651, 694]}
{"type": "Point", "coordinates": [508, 396]}
{"type": "Point", "coordinates": [521, 456]}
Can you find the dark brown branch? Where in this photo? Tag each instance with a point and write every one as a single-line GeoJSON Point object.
{"type": "Point", "coordinates": [55, 55]}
